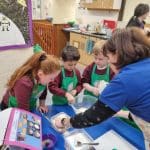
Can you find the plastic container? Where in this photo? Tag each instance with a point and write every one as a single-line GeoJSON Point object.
{"type": "Point", "coordinates": [71, 139]}
{"type": "Point", "coordinates": [83, 102]}
{"type": "Point", "coordinates": [60, 116]}
{"type": "Point", "coordinates": [48, 141]}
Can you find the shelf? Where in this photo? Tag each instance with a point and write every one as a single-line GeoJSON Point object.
{"type": "Point", "coordinates": [104, 9]}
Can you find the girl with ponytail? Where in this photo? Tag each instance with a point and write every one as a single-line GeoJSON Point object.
{"type": "Point", "coordinates": [141, 12]}
{"type": "Point", "coordinates": [28, 82]}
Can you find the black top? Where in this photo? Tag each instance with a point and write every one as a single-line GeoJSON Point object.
{"type": "Point", "coordinates": [135, 22]}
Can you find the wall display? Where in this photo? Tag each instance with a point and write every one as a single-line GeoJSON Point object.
{"type": "Point", "coordinates": [15, 24]}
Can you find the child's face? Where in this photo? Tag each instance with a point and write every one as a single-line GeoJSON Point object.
{"type": "Point", "coordinates": [44, 79]}
{"type": "Point", "coordinates": [100, 60]}
{"type": "Point", "coordinates": [69, 65]}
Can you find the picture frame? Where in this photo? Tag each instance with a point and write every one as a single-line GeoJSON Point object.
{"type": "Point", "coordinates": [15, 24]}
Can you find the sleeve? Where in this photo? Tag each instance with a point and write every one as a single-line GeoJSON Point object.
{"type": "Point", "coordinates": [115, 94]}
{"type": "Point", "coordinates": [23, 90]}
{"type": "Point", "coordinates": [79, 84]}
{"type": "Point", "coordinates": [55, 86]}
{"type": "Point", "coordinates": [96, 114]}
{"type": "Point", "coordinates": [86, 76]}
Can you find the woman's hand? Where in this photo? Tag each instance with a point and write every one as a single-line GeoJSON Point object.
{"type": "Point", "coordinates": [70, 98]}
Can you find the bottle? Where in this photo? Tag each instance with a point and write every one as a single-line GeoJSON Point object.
{"type": "Point", "coordinates": [104, 30]}
{"type": "Point", "coordinates": [97, 27]}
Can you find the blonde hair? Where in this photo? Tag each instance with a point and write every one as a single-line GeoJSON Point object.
{"type": "Point", "coordinates": [97, 49]}
{"type": "Point", "coordinates": [38, 61]}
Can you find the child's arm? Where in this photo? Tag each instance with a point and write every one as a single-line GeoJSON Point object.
{"type": "Point", "coordinates": [70, 97]}
{"type": "Point", "coordinates": [86, 76]}
{"type": "Point", "coordinates": [55, 86]}
{"type": "Point", "coordinates": [79, 86]}
{"type": "Point", "coordinates": [42, 107]}
{"type": "Point", "coordinates": [92, 89]}
{"type": "Point", "coordinates": [86, 80]}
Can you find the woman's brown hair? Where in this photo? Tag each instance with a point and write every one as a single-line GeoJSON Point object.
{"type": "Point", "coordinates": [38, 61]}
{"type": "Point", "coordinates": [129, 44]}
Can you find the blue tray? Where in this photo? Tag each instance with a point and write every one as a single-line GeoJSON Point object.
{"type": "Point", "coordinates": [131, 134]}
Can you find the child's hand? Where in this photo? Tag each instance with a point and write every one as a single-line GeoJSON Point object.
{"type": "Point", "coordinates": [87, 86]}
{"type": "Point", "coordinates": [70, 98]}
{"type": "Point", "coordinates": [73, 92]}
{"type": "Point", "coordinates": [43, 109]}
{"type": "Point", "coordinates": [92, 89]}
{"type": "Point", "coordinates": [95, 91]}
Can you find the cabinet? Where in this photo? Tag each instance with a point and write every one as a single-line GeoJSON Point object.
{"type": "Point", "coordinates": [50, 37]}
{"type": "Point", "coordinates": [80, 41]}
{"type": "Point", "coordinates": [113, 5]}
{"type": "Point", "coordinates": [60, 39]}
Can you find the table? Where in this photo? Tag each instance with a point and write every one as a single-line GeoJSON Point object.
{"type": "Point", "coordinates": [133, 135]}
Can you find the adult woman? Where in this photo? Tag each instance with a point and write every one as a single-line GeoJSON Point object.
{"type": "Point", "coordinates": [128, 51]}
{"type": "Point", "coordinates": [141, 12]}
{"type": "Point", "coordinates": [29, 81]}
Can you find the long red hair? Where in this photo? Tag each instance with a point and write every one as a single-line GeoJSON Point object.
{"type": "Point", "coordinates": [40, 60]}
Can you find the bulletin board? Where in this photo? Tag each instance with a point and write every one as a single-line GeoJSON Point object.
{"type": "Point", "coordinates": [15, 24]}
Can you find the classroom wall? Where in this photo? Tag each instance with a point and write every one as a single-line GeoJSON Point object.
{"type": "Point", "coordinates": [62, 10]}
{"type": "Point", "coordinates": [10, 60]}
{"type": "Point", "coordinates": [86, 16]}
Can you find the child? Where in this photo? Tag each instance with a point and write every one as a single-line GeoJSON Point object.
{"type": "Point", "coordinates": [68, 83]}
{"type": "Point", "coordinates": [98, 74]}
{"type": "Point", "coordinates": [29, 80]}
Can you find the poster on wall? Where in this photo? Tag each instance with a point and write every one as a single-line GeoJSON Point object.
{"type": "Point", "coordinates": [15, 24]}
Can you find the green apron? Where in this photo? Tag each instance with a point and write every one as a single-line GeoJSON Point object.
{"type": "Point", "coordinates": [96, 78]}
{"type": "Point", "coordinates": [37, 90]}
{"type": "Point", "coordinates": [68, 84]}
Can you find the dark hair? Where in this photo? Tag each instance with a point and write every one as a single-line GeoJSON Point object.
{"type": "Point", "coordinates": [141, 9]}
{"type": "Point", "coordinates": [129, 44]}
{"type": "Point", "coordinates": [70, 53]}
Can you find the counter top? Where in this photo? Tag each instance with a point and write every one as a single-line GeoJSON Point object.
{"type": "Point", "coordinates": [88, 33]}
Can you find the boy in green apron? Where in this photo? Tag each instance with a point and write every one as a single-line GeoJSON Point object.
{"type": "Point", "coordinates": [68, 83]}
{"type": "Point", "coordinates": [97, 75]}
{"type": "Point", "coordinates": [29, 81]}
